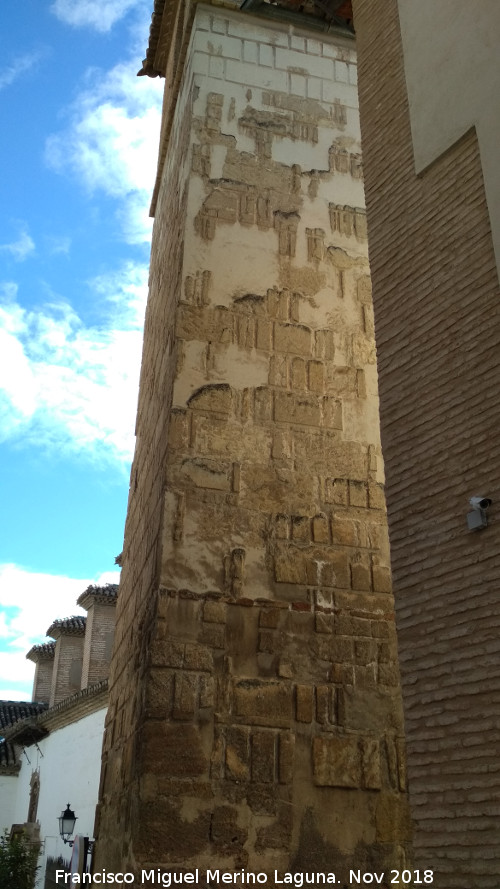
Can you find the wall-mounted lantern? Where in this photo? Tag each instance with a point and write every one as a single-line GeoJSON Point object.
{"type": "Point", "coordinates": [67, 821]}
{"type": "Point", "coordinates": [82, 846]}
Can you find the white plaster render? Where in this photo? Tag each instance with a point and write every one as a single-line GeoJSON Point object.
{"type": "Point", "coordinates": [223, 361]}
{"type": "Point", "coordinates": [69, 762]}
{"type": "Point", "coordinates": [9, 785]}
{"type": "Point", "coordinates": [249, 89]}
{"type": "Point", "coordinates": [359, 419]}
{"type": "Point", "coordinates": [453, 80]}
{"type": "Point", "coordinates": [274, 34]}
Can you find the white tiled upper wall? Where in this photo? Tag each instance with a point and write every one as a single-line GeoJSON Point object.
{"type": "Point", "coordinates": [237, 49]}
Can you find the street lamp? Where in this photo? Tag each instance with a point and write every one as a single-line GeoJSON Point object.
{"type": "Point", "coordinates": [67, 821]}
{"type": "Point", "coordinates": [82, 846]}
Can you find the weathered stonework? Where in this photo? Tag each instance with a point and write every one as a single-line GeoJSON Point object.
{"type": "Point", "coordinates": [255, 715]}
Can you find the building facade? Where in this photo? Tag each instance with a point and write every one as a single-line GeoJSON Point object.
{"type": "Point", "coordinates": [255, 718]}
{"type": "Point", "coordinates": [50, 750]}
{"type": "Point", "coordinates": [428, 82]}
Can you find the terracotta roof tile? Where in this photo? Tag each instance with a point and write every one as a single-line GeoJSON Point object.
{"type": "Point", "coordinates": [73, 626]}
{"type": "Point", "coordinates": [8, 756]}
{"type": "Point", "coordinates": [43, 652]}
{"type": "Point", "coordinates": [13, 711]}
{"type": "Point", "coordinates": [108, 592]}
{"type": "Point", "coordinates": [154, 34]}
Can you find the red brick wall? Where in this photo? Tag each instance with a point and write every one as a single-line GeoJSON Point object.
{"type": "Point", "coordinates": [436, 299]}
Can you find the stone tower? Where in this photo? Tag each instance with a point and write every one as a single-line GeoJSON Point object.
{"type": "Point", "coordinates": [255, 717]}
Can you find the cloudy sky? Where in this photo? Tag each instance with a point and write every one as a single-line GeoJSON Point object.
{"type": "Point", "coordinates": [78, 158]}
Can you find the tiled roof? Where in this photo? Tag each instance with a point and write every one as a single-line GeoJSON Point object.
{"type": "Point", "coordinates": [337, 12]}
{"type": "Point", "coordinates": [43, 652]}
{"type": "Point", "coordinates": [154, 34]}
{"type": "Point", "coordinates": [13, 711]}
{"type": "Point", "coordinates": [39, 725]}
{"type": "Point", "coordinates": [107, 593]}
{"type": "Point", "coordinates": [334, 12]}
{"type": "Point", "coordinates": [73, 626]}
{"type": "Point", "coordinates": [8, 758]}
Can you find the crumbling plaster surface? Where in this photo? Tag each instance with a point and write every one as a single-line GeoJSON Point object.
{"type": "Point", "coordinates": [275, 267]}
{"type": "Point", "coordinates": [255, 716]}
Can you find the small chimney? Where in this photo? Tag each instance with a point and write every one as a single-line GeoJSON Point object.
{"type": "Point", "coordinates": [43, 657]}
{"type": "Point", "coordinates": [100, 604]}
{"type": "Point", "coordinates": [67, 674]}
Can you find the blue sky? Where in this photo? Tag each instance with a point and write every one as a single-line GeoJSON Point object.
{"type": "Point", "coordinates": [78, 159]}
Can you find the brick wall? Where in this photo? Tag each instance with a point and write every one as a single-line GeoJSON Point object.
{"type": "Point", "coordinates": [42, 682]}
{"type": "Point", "coordinates": [436, 299]}
{"type": "Point", "coordinates": [99, 633]}
{"type": "Point", "coordinates": [67, 670]}
{"type": "Point", "coordinates": [255, 712]}
{"type": "Point", "coordinates": [43, 657]}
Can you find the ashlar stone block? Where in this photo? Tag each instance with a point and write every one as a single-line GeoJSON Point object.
{"type": "Point", "coordinates": [294, 339]}
{"type": "Point", "coordinates": [336, 762]}
{"type": "Point", "coordinates": [257, 702]}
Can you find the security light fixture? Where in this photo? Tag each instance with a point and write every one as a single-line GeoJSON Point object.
{"type": "Point", "coordinates": [477, 518]}
{"type": "Point", "coordinates": [67, 821]}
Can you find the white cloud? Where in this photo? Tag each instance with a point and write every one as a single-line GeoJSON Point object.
{"type": "Point", "coordinates": [69, 386]}
{"type": "Point", "coordinates": [21, 65]}
{"type": "Point", "coordinates": [30, 603]}
{"type": "Point", "coordinates": [21, 248]}
{"type": "Point", "coordinates": [111, 143]}
{"type": "Point", "coordinates": [98, 14]}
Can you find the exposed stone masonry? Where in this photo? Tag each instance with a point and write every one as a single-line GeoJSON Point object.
{"type": "Point", "coordinates": [255, 715]}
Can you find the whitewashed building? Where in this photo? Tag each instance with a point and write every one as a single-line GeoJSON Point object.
{"type": "Point", "coordinates": [51, 750]}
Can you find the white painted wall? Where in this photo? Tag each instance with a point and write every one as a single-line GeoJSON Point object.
{"type": "Point", "coordinates": [8, 795]}
{"type": "Point", "coordinates": [453, 79]}
{"type": "Point", "coordinates": [69, 761]}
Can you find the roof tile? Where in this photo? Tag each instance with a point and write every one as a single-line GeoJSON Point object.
{"type": "Point", "coordinates": [108, 592]}
{"type": "Point", "coordinates": [73, 626]}
{"type": "Point", "coordinates": [13, 711]}
{"type": "Point", "coordinates": [43, 652]}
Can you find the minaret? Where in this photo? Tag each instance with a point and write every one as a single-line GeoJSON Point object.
{"type": "Point", "coordinates": [255, 718]}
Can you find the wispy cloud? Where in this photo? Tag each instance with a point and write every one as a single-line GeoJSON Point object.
{"type": "Point", "coordinates": [30, 602]}
{"type": "Point", "coordinates": [21, 248]}
{"type": "Point", "coordinates": [68, 386]}
{"type": "Point", "coordinates": [58, 244]}
{"type": "Point", "coordinates": [98, 14]}
{"type": "Point", "coordinates": [21, 65]}
{"type": "Point", "coordinates": [111, 143]}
